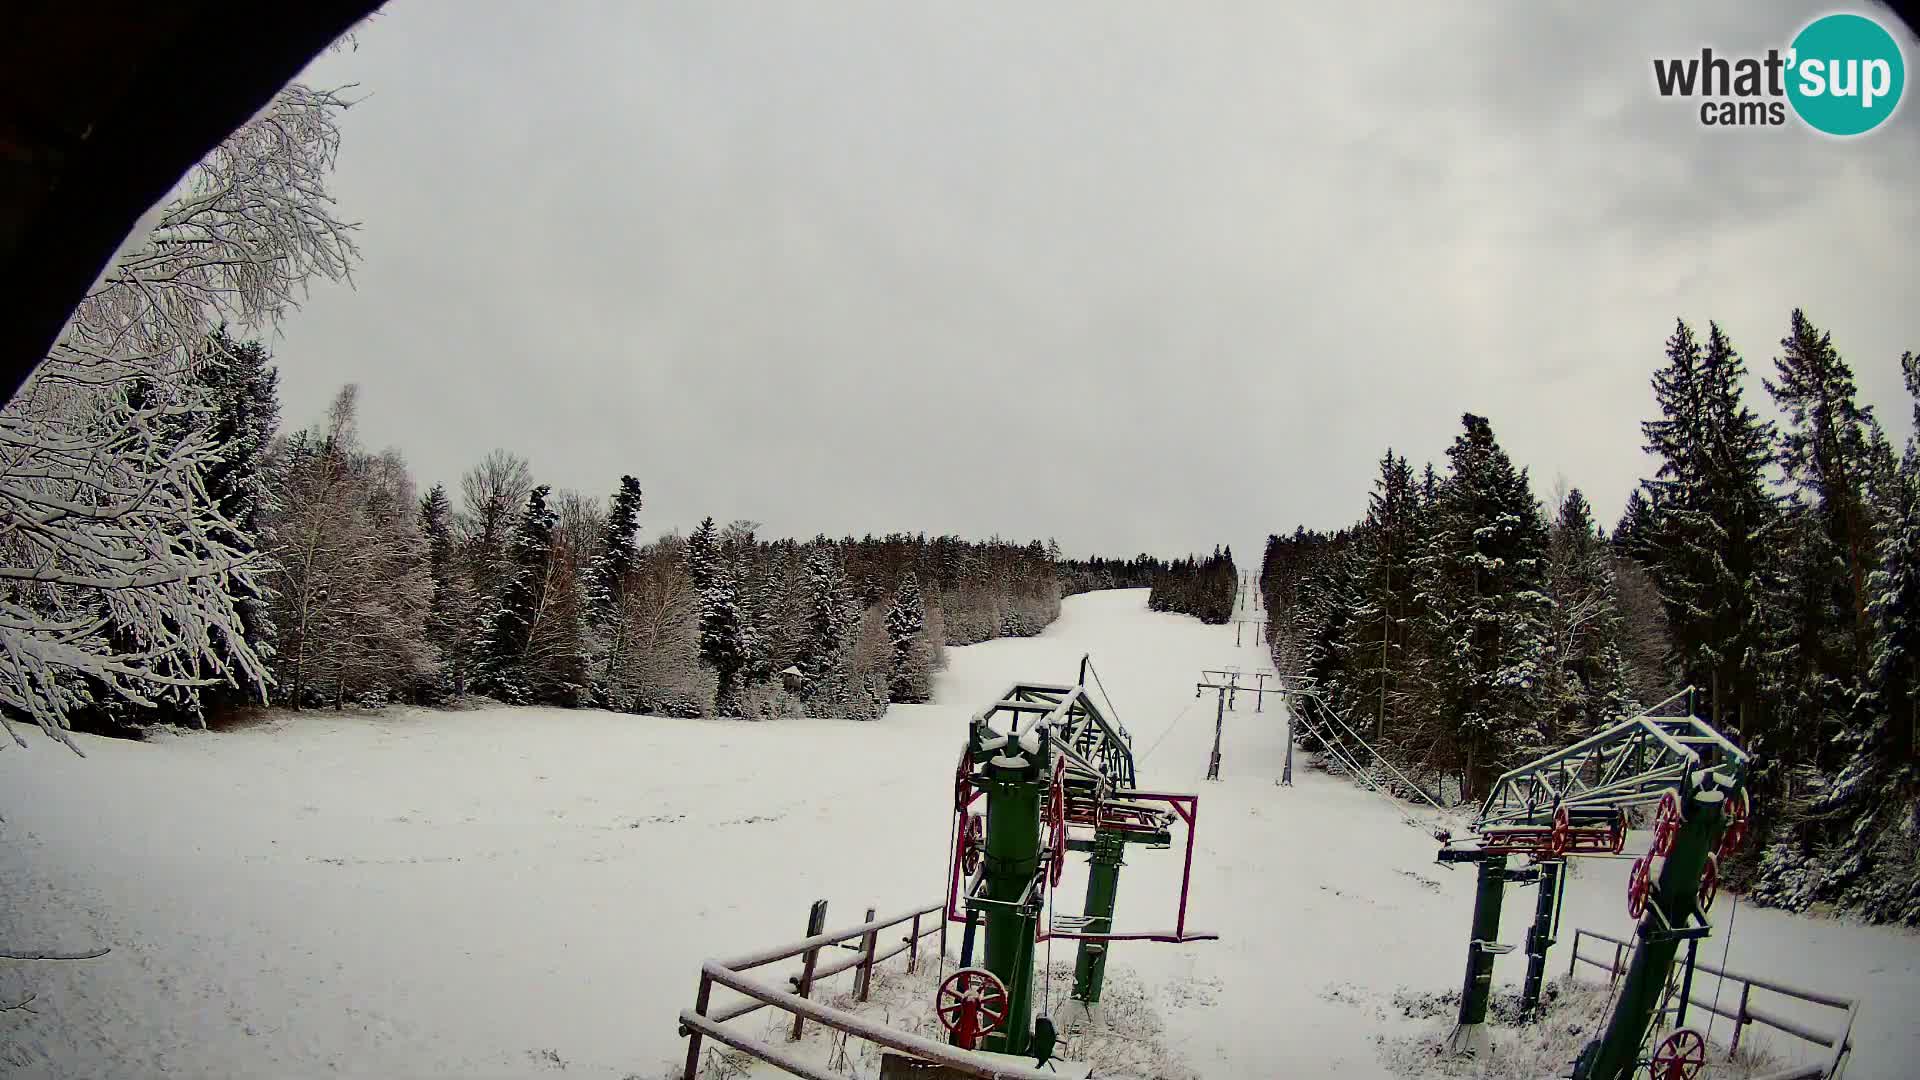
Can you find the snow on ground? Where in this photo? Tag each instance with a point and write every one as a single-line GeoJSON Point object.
{"type": "Point", "coordinates": [524, 891]}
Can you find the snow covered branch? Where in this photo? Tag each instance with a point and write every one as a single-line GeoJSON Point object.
{"type": "Point", "coordinates": [118, 572]}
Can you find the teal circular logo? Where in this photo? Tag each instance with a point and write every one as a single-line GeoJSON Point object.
{"type": "Point", "coordinates": [1845, 75]}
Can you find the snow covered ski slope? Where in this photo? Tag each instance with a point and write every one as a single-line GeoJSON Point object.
{"type": "Point", "coordinates": [528, 892]}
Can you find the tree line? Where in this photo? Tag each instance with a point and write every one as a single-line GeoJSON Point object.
{"type": "Point", "coordinates": [1203, 588]}
{"type": "Point", "coordinates": [1772, 567]}
{"type": "Point", "coordinates": [370, 592]}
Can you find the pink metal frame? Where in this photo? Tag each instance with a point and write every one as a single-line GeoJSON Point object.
{"type": "Point", "coordinates": [1186, 805]}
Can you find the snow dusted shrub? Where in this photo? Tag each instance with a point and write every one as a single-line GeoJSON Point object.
{"type": "Point", "coordinates": [1789, 877]}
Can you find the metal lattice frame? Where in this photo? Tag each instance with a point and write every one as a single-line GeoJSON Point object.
{"type": "Point", "coordinates": [1635, 761]}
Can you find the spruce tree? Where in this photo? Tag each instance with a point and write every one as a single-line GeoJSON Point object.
{"type": "Point", "coordinates": [1374, 642]}
{"type": "Point", "coordinates": [1826, 454]}
{"type": "Point", "coordinates": [243, 388]}
{"type": "Point", "coordinates": [722, 629]}
{"type": "Point", "coordinates": [1713, 522]}
{"type": "Point", "coordinates": [451, 613]}
{"type": "Point", "coordinates": [530, 646]}
{"type": "Point", "coordinates": [1871, 799]}
{"type": "Point", "coordinates": [1485, 570]}
{"type": "Point", "coordinates": [823, 655]}
{"type": "Point", "coordinates": [610, 580]}
{"type": "Point", "coordinates": [906, 622]}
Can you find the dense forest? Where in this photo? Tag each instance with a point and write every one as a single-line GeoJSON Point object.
{"type": "Point", "coordinates": [1773, 567]}
{"type": "Point", "coordinates": [1203, 588]}
{"type": "Point", "coordinates": [372, 592]}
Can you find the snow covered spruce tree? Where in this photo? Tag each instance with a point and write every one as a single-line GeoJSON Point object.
{"type": "Point", "coordinates": [912, 676]}
{"type": "Point", "coordinates": [1872, 808]}
{"type": "Point", "coordinates": [824, 651]}
{"type": "Point", "coordinates": [119, 577]}
{"type": "Point", "coordinates": [1373, 644]}
{"type": "Point", "coordinates": [610, 589]}
{"type": "Point", "coordinates": [1483, 580]}
{"type": "Point", "coordinates": [530, 647]}
{"type": "Point", "coordinates": [1713, 522]}
{"type": "Point", "coordinates": [723, 640]}
{"type": "Point", "coordinates": [1586, 685]}
{"type": "Point", "coordinates": [452, 614]}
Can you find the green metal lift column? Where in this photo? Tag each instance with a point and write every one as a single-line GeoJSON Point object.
{"type": "Point", "coordinates": [1103, 888]}
{"type": "Point", "coordinates": [1012, 857]}
{"type": "Point", "coordinates": [1675, 896]}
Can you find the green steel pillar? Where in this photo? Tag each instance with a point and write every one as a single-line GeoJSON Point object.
{"type": "Point", "coordinates": [1675, 894]}
{"type": "Point", "coordinates": [1011, 859]}
{"type": "Point", "coordinates": [1540, 935]}
{"type": "Point", "coordinates": [1470, 1034]}
{"type": "Point", "coordinates": [1103, 886]}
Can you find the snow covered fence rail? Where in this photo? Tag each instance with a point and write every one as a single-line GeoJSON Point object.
{"type": "Point", "coordinates": [697, 1022]}
{"type": "Point", "coordinates": [1839, 1044]}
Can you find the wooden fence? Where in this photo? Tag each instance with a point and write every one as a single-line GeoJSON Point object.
{"type": "Point", "coordinates": [1744, 1012]}
{"type": "Point", "coordinates": [865, 954]}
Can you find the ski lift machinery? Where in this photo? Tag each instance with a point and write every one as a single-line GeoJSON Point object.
{"type": "Point", "coordinates": [1046, 771]}
{"type": "Point", "coordinates": [1573, 803]}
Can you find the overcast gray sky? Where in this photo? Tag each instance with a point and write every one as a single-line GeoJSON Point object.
{"type": "Point", "coordinates": [1140, 276]}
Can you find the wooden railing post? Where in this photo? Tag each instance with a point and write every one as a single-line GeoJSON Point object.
{"type": "Point", "coordinates": [867, 945]}
{"type": "Point", "coordinates": [913, 947]}
{"type": "Point", "coordinates": [693, 1037]}
{"type": "Point", "coordinates": [1740, 1019]}
{"type": "Point", "coordinates": [816, 924]}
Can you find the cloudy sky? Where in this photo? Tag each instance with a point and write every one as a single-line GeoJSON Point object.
{"type": "Point", "coordinates": [1139, 276]}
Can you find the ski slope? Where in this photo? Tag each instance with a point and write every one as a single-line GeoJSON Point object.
{"type": "Point", "coordinates": [524, 891]}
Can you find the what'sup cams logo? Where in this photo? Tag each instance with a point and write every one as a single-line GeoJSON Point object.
{"type": "Point", "coordinates": [1842, 75]}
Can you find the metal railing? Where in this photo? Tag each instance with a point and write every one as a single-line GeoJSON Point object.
{"type": "Point", "coordinates": [703, 1022]}
{"type": "Point", "coordinates": [1838, 1043]}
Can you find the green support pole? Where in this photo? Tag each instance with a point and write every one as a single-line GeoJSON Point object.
{"type": "Point", "coordinates": [1540, 936]}
{"type": "Point", "coordinates": [1103, 886]}
{"type": "Point", "coordinates": [1012, 856]}
{"type": "Point", "coordinates": [1470, 1034]}
{"type": "Point", "coordinates": [1617, 1054]}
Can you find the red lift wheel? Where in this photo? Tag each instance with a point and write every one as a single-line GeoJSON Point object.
{"type": "Point", "coordinates": [1057, 828]}
{"type": "Point", "coordinates": [1736, 824]}
{"type": "Point", "coordinates": [973, 842]}
{"type": "Point", "coordinates": [963, 783]}
{"type": "Point", "coordinates": [1666, 824]}
{"type": "Point", "coordinates": [1558, 836]}
{"type": "Point", "coordinates": [971, 1003]}
{"type": "Point", "coordinates": [1709, 883]}
{"type": "Point", "coordinates": [1619, 828]}
{"type": "Point", "coordinates": [1680, 1057]}
{"type": "Point", "coordinates": [1639, 885]}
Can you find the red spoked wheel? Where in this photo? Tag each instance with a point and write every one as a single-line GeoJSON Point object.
{"type": "Point", "coordinates": [1640, 885]}
{"type": "Point", "coordinates": [1561, 833]}
{"type": "Point", "coordinates": [1619, 832]}
{"type": "Point", "coordinates": [1057, 828]}
{"type": "Point", "coordinates": [1736, 824]}
{"type": "Point", "coordinates": [971, 1003]}
{"type": "Point", "coordinates": [1666, 824]}
{"type": "Point", "coordinates": [963, 783]}
{"type": "Point", "coordinates": [973, 842]}
{"type": "Point", "coordinates": [1680, 1056]}
{"type": "Point", "coordinates": [1709, 883]}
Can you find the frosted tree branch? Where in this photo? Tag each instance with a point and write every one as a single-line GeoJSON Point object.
{"type": "Point", "coordinates": [117, 571]}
